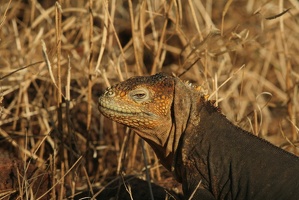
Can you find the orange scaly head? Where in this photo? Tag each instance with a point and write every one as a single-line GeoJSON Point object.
{"type": "Point", "coordinates": [143, 103]}
{"type": "Point", "coordinates": [157, 107]}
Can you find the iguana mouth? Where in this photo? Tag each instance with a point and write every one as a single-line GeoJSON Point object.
{"type": "Point", "coordinates": [107, 108]}
{"type": "Point", "coordinates": [117, 109]}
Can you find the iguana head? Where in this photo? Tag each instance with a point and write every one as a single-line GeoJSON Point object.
{"type": "Point", "coordinates": [157, 107]}
{"type": "Point", "coordinates": [143, 103]}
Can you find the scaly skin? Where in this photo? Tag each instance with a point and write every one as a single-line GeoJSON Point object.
{"type": "Point", "coordinates": [198, 144]}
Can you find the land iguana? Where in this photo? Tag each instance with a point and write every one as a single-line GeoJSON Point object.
{"type": "Point", "coordinates": [211, 157]}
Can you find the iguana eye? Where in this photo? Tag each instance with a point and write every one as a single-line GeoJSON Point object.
{"type": "Point", "coordinates": [139, 95]}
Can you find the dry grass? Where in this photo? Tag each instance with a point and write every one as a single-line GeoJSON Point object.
{"type": "Point", "coordinates": [243, 52]}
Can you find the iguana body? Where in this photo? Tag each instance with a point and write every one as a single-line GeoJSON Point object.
{"type": "Point", "coordinates": [211, 157]}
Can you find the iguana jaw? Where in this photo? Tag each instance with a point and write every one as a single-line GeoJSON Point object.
{"type": "Point", "coordinates": [105, 107]}
{"type": "Point", "coordinates": [126, 115]}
